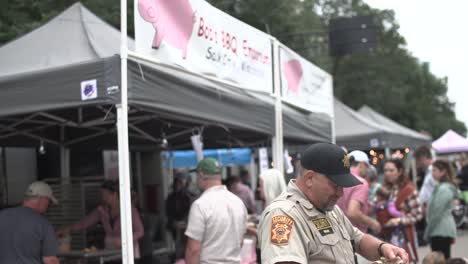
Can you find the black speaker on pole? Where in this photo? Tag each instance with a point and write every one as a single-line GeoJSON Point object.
{"type": "Point", "coordinates": [355, 35]}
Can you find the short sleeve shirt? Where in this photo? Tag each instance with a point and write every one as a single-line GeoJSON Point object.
{"type": "Point", "coordinates": [218, 219]}
{"type": "Point", "coordinates": [358, 193]}
{"type": "Point", "coordinates": [428, 186]}
{"type": "Point", "coordinates": [292, 229]}
{"type": "Point", "coordinates": [25, 236]}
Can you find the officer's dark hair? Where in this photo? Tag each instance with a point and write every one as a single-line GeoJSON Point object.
{"type": "Point", "coordinates": [423, 151]}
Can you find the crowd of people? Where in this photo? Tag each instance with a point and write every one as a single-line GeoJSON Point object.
{"type": "Point", "coordinates": [28, 237]}
{"type": "Point", "coordinates": [335, 211]}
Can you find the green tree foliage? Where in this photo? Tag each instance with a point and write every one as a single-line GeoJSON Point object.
{"type": "Point", "coordinates": [18, 17]}
{"type": "Point", "coordinates": [390, 79]}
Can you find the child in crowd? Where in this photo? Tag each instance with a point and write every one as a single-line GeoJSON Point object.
{"type": "Point", "coordinates": [435, 257]}
{"type": "Point", "coordinates": [383, 202]}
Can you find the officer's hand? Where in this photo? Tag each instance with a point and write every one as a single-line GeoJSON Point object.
{"type": "Point", "coordinates": [375, 227]}
{"type": "Point", "coordinates": [391, 252]}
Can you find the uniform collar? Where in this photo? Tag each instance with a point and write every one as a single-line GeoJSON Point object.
{"type": "Point", "coordinates": [294, 193]}
{"type": "Point", "coordinates": [215, 188]}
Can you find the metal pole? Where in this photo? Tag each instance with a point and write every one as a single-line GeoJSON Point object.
{"type": "Point", "coordinates": [122, 134]}
{"type": "Point", "coordinates": [388, 154]}
{"type": "Point", "coordinates": [333, 125]}
{"type": "Point", "coordinates": [278, 138]}
{"type": "Point", "coordinates": [138, 171]}
{"type": "Point", "coordinates": [414, 170]}
{"type": "Point", "coordinates": [64, 159]}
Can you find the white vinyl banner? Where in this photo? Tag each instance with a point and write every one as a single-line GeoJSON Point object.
{"type": "Point", "coordinates": [197, 146]}
{"type": "Point", "coordinates": [263, 159]}
{"type": "Point", "coordinates": [198, 37]}
{"type": "Point", "coordinates": [305, 85]}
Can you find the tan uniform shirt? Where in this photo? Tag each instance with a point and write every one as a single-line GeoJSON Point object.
{"type": "Point", "coordinates": [292, 229]}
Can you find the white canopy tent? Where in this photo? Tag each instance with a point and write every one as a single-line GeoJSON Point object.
{"type": "Point", "coordinates": [450, 142]}
{"type": "Point", "coordinates": [42, 101]}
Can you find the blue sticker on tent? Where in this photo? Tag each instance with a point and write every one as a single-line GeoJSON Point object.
{"type": "Point", "coordinates": [226, 157]}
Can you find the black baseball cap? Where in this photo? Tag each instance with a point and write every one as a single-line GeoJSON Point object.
{"type": "Point", "coordinates": [330, 160]}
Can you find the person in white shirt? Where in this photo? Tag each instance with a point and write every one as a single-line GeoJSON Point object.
{"type": "Point", "coordinates": [424, 161]}
{"type": "Point", "coordinates": [272, 185]}
{"type": "Point", "coordinates": [423, 157]}
{"type": "Point", "coordinates": [217, 220]}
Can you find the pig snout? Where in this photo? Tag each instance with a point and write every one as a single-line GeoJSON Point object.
{"type": "Point", "coordinates": [172, 20]}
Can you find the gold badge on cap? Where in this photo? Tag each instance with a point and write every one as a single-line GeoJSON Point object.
{"type": "Point", "coordinates": [281, 228]}
{"type": "Point", "coordinates": [346, 161]}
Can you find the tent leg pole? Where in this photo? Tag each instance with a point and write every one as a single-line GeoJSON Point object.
{"type": "Point", "coordinates": [64, 159]}
{"type": "Point", "coordinates": [278, 138]}
{"type": "Point", "coordinates": [122, 135]}
{"type": "Point", "coordinates": [65, 165]}
{"type": "Point", "coordinates": [387, 153]}
{"type": "Point", "coordinates": [139, 179]}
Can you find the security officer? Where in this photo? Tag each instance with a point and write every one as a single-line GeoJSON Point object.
{"type": "Point", "coordinates": [303, 225]}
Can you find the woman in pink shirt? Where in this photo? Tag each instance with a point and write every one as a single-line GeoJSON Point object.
{"type": "Point", "coordinates": [108, 214]}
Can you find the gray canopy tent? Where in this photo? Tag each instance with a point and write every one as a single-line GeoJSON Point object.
{"type": "Point", "coordinates": [41, 75]}
{"type": "Point", "coordinates": [357, 131]}
{"type": "Point", "coordinates": [40, 93]}
{"type": "Point", "coordinates": [412, 138]}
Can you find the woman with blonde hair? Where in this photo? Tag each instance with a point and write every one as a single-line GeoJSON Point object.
{"type": "Point", "coordinates": [441, 229]}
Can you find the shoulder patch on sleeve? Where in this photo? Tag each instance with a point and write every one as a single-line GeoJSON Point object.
{"type": "Point", "coordinates": [281, 228]}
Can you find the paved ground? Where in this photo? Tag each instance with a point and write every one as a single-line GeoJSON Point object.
{"type": "Point", "coordinates": [459, 249]}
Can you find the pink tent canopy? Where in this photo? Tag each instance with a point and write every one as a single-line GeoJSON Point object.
{"type": "Point", "coordinates": [450, 142]}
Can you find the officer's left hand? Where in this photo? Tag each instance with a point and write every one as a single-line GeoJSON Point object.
{"type": "Point", "coordinates": [391, 252]}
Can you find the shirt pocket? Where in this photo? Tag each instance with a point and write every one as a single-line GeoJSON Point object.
{"type": "Point", "coordinates": [346, 245]}
{"type": "Point", "coordinates": [326, 241]}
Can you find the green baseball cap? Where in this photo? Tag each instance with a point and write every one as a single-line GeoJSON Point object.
{"type": "Point", "coordinates": [208, 166]}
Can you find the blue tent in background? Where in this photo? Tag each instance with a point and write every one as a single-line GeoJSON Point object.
{"type": "Point", "coordinates": [226, 157]}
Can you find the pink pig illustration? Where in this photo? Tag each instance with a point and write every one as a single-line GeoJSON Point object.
{"type": "Point", "coordinates": [292, 70]}
{"type": "Point", "coordinates": [172, 20]}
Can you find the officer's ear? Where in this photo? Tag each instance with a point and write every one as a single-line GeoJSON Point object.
{"type": "Point", "coordinates": [308, 177]}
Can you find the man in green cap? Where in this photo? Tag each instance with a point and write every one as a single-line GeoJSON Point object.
{"type": "Point", "coordinates": [217, 220]}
